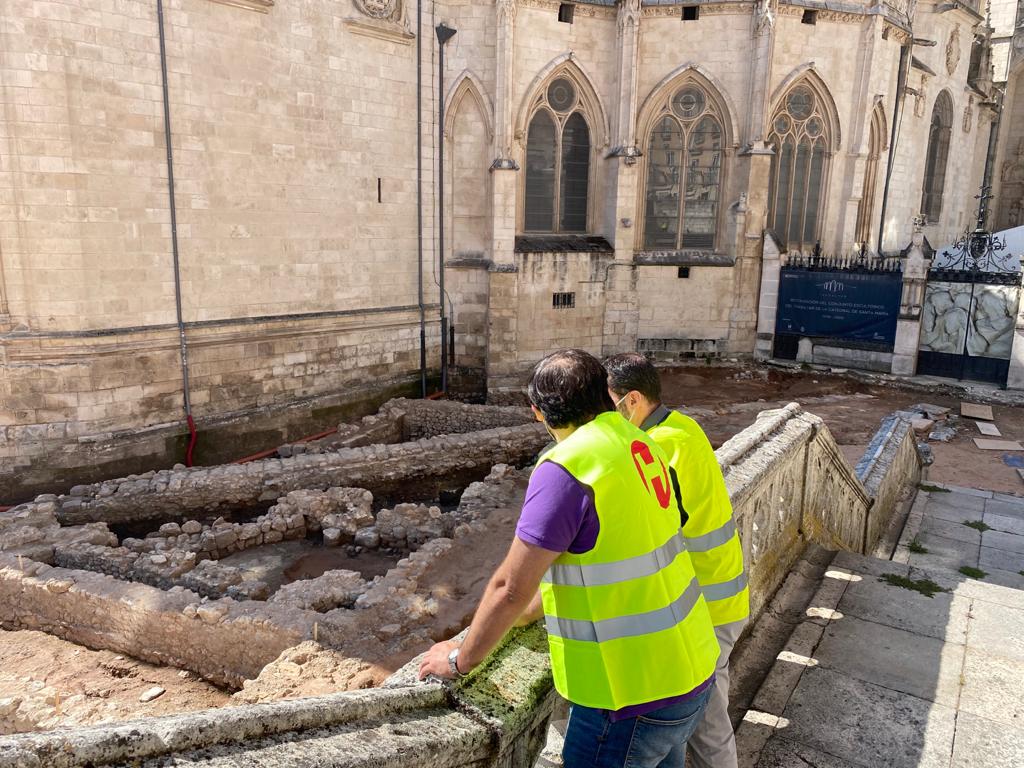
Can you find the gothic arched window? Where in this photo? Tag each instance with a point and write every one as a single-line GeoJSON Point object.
{"type": "Point", "coordinates": [557, 162]}
{"type": "Point", "coordinates": [936, 157]}
{"type": "Point", "coordinates": [801, 140]}
{"type": "Point", "coordinates": [684, 172]}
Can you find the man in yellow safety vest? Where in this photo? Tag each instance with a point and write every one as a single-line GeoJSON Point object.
{"type": "Point", "coordinates": [600, 536]}
{"type": "Point", "coordinates": [709, 532]}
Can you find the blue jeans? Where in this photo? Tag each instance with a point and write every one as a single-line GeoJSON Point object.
{"type": "Point", "coordinates": [654, 740]}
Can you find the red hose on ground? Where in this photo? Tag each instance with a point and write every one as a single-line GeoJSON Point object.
{"type": "Point", "coordinates": [192, 437]}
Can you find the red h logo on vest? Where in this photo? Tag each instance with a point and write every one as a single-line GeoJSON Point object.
{"type": "Point", "coordinates": [662, 487]}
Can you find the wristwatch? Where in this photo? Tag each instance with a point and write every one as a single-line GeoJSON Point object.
{"type": "Point", "coordinates": [453, 663]}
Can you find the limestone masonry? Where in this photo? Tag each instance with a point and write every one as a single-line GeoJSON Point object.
{"type": "Point", "coordinates": [293, 128]}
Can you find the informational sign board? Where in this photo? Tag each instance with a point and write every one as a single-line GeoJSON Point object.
{"type": "Point", "coordinates": [855, 306]}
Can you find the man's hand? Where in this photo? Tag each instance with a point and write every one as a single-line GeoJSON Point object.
{"type": "Point", "coordinates": [435, 662]}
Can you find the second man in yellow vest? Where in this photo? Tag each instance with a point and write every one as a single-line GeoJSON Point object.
{"type": "Point", "coordinates": [709, 533]}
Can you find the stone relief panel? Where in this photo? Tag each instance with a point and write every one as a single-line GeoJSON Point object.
{"type": "Point", "coordinates": [379, 9]}
{"type": "Point", "coordinates": [993, 321]}
{"type": "Point", "coordinates": [953, 50]}
{"type": "Point", "coordinates": [949, 322]}
{"type": "Point", "coordinates": [944, 317]}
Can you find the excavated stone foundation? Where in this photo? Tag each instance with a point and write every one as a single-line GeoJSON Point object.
{"type": "Point", "coordinates": [364, 581]}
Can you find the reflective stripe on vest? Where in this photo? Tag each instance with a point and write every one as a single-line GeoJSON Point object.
{"type": "Point", "coordinates": [627, 626]}
{"type": "Point", "coordinates": [600, 574]}
{"type": "Point", "coordinates": [712, 539]}
{"type": "Point", "coordinates": [725, 589]}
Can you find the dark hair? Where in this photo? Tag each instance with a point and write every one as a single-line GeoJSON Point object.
{"type": "Point", "coordinates": [632, 371]}
{"type": "Point", "coordinates": [570, 387]}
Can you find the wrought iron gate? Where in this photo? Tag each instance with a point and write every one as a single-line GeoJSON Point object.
{"type": "Point", "coordinates": [970, 311]}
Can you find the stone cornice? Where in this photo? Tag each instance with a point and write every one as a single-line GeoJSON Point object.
{"type": "Point", "coordinates": [262, 6]}
{"type": "Point", "coordinates": [382, 30]}
{"type": "Point", "coordinates": [579, 9]}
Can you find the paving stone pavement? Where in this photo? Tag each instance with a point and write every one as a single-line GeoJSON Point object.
{"type": "Point", "coordinates": [882, 674]}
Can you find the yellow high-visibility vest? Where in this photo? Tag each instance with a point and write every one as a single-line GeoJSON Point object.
{"type": "Point", "coordinates": [710, 531]}
{"type": "Point", "coordinates": [627, 622]}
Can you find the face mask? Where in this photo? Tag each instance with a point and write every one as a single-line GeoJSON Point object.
{"type": "Point", "coordinates": [623, 410]}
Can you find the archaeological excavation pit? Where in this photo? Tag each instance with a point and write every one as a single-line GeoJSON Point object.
{"type": "Point", "coordinates": [323, 568]}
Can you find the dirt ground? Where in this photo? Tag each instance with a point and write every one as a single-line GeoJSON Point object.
{"type": "Point", "coordinates": [47, 683]}
{"type": "Point", "coordinates": [98, 687]}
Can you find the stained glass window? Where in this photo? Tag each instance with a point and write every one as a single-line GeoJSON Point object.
{"type": "Point", "coordinates": [936, 157]}
{"type": "Point", "coordinates": [799, 169]}
{"type": "Point", "coordinates": [557, 158]}
{"type": "Point", "coordinates": [684, 173]}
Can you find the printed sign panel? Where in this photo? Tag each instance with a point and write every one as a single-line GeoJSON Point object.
{"type": "Point", "coordinates": [840, 305]}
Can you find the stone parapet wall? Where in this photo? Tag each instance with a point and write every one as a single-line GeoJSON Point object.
{"type": "Point", "coordinates": [497, 717]}
{"type": "Point", "coordinates": [383, 469]}
{"type": "Point", "coordinates": [790, 485]}
{"type": "Point", "coordinates": [890, 464]}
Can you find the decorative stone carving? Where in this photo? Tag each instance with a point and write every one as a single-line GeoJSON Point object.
{"type": "Point", "coordinates": [919, 97]}
{"type": "Point", "coordinates": [378, 9]}
{"type": "Point", "coordinates": [764, 17]}
{"type": "Point", "coordinates": [968, 115]}
{"type": "Point", "coordinates": [506, 10]}
{"type": "Point", "coordinates": [383, 19]}
{"type": "Point", "coordinates": [953, 50]}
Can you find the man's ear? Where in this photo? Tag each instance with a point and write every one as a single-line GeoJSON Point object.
{"type": "Point", "coordinates": [536, 413]}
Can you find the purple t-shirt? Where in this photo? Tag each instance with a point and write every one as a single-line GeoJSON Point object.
{"type": "Point", "coordinates": [559, 515]}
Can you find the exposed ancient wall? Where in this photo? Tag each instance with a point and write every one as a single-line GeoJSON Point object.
{"type": "Point", "coordinates": [173, 628]}
{"type": "Point", "coordinates": [383, 469]}
{"type": "Point", "coordinates": [366, 621]}
{"type": "Point", "coordinates": [431, 418]}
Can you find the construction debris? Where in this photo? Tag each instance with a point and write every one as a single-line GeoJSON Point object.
{"type": "Point", "coordinates": [976, 411]}
{"type": "Point", "coordinates": [998, 445]}
{"type": "Point", "coordinates": [988, 429]}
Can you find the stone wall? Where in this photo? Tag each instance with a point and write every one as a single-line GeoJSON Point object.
{"type": "Point", "coordinates": [432, 418]}
{"type": "Point", "coordinates": [398, 470]}
{"type": "Point", "coordinates": [173, 628]}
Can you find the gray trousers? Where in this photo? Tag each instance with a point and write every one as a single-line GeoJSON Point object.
{"type": "Point", "coordinates": [713, 744]}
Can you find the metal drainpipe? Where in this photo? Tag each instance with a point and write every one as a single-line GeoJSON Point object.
{"type": "Point", "coordinates": [174, 238]}
{"type": "Point", "coordinates": [444, 34]}
{"type": "Point", "coordinates": [901, 82]}
{"type": "Point", "coordinates": [419, 196]}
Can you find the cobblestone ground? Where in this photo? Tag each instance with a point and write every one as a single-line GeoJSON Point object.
{"type": "Point", "coordinates": [914, 662]}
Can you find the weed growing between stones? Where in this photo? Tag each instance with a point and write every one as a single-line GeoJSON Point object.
{"type": "Point", "coordinates": [978, 525]}
{"type": "Point", "coordinates": [917, 547]}
{"type": "Point", "coordinates": [926, 587]}
{"type": "Point", "coordinates": [972, 572]}
{"type": "Point", "coordinates": [933, 488]}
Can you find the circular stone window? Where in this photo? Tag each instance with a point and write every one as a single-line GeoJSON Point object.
{"type": "Point", "coordinates": [782, 124]}
{"type": "Point", "coordinates": [562, 95]}
{"type": "Point", "coordinates": [814, 127]}
{"type": "Point", "coordinates": [800, 103]}
{"type": "Point", "coordinates": [688, 103]}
